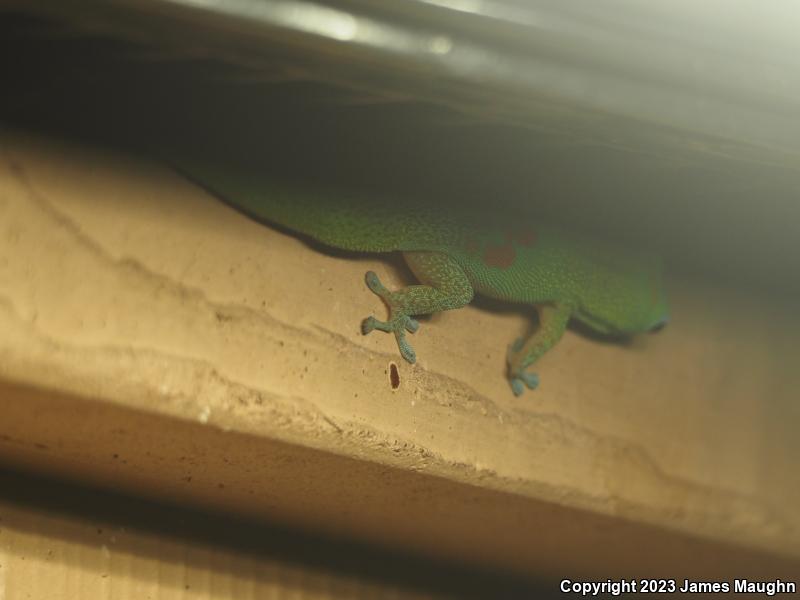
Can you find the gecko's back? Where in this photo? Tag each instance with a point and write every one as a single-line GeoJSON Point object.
{"type": "Point", "coordinates": [340, 220]}
{"type": "Point", "coordinates": [611, 289]}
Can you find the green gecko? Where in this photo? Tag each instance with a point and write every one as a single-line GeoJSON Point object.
{"type": "Point", "coordinates": [457, 254]}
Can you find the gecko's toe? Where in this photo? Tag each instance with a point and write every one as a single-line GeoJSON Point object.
{"type": "Point", "coordinates": [530, 379]}
{"type": "Point", "coordinates": [412, 325]}
{"type": "Point", "coordinates": [374, 284]}
{"type": "Point", "coordinates": [371, 323]}
{"type": "Point", "coordinates": [367, 325]}
{"type": "Point", "coordinates": [517, 386]}
{"type": "Point", "coordinates": [406, 351]}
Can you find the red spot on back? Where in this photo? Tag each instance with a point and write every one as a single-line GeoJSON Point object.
{"type": "Point", "coordinates": [500, 255]}
{"type": "Point", "coordinates": [503, 255]}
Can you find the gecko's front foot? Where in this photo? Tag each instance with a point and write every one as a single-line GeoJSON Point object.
{"type": "Point", "coordinates": [523, 379]}
{"type": "Point", "coordinates": [517, 376]}
{"type": "Point", "coordinates": [398, 322]}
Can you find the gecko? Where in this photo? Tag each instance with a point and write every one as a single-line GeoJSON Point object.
{"type": "Point", "coordinates": [455, 254]}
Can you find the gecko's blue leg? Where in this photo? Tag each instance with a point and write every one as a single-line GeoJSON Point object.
{"type": "Point", "coordinates": [523, 353]}
{"type": "Point", "coordinates": [445, 287]}
{"type": "Point", "coordinates": [398, 323]}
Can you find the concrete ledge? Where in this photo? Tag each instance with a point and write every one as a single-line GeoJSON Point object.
{"type": "Point", "coordinates": [156, 341]}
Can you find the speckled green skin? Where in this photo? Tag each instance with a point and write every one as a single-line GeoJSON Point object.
{"type": "Point", "coordinates": [457, 254]}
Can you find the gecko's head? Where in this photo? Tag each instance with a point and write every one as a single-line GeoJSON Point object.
{"type": "Point", "coordinates": [635, 303]}
{"type": "Point", "coordinates": [660, 324]}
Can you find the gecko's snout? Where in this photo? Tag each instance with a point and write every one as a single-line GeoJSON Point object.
{"type": "Point", "coordinates": [660, 324]}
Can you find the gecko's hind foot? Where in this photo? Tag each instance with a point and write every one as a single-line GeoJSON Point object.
{"type": "Point", "coordinates": [398, 322]}
{"type": "Point", "coordinates": [398, 327]}
{"type": "Point", "coordinates": [371, 323]}
{"type": "Point", "coordinates": [519, 378]}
